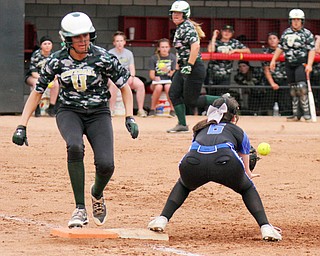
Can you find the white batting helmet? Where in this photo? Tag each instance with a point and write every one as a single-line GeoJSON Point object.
{"type": "Point", "coordinates": [296, 14]}
{"type": "Point", "coordinates": [181, 6]}
{"type": "Point", "coordinates": [74, 24]}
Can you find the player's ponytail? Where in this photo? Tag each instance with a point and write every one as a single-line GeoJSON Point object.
{"type": "Point", "coordinates": [198, 28]}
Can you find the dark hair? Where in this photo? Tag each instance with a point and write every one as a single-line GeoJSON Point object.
{"type": "Point", "coordinates": [244, 62]}
{"type": "Point", "coordinates": [233, 108]}
{"type": "Point", "coordinates": [45, 38]}
{"type": "Point", "coordinates": [119, 33]}
{"type": "Point", "coordinates": [273, 34]}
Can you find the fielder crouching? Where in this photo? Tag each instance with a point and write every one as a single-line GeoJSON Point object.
{"type": "Point", "coordinates": [219, 153]}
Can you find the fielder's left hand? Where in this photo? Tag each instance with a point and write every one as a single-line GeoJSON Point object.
{"type": "Point", "coordinates": [132, 127]}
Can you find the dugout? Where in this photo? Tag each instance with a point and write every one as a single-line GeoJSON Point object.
{"type": "Point", "coordinates": [12, 56]}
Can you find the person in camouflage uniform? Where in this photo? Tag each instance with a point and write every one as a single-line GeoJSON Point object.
{"type": "Point", "coordinates": [278, 77]}
{"type": "Point", "coordinates": [250, 76]}
{"type": "Point", "coordinates": [298, 45]}
{"type": "Point", "coordinates": [188, 79]}
{"type": "Point", "coordinates": [83, 70]}
{"type": "Point", "coordinates": [37, 62]}
{"type": "Point", "coordinates": [219, 72]}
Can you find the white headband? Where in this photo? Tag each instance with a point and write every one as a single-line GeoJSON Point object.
{"type": "Point", "coordinates": [216, 114]}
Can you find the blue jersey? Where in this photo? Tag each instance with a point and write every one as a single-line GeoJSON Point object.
{"type": "Point", "coordinates": [224, 133]}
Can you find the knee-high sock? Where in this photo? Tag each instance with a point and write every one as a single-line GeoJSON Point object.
{"type": "Point", "coordinates": [254, 204]}
{"type": "Point", "coordinates": [181, 114]}
{"type": "Point", "coordinates": [178, 194]}
{"type": "Point", "coordinates": [99, 184]}
{"type": "Point", "coordinates": [76, 173]}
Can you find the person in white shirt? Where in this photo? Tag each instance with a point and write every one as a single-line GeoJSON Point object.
{"type": "Point", "coordinates": [126, 59]}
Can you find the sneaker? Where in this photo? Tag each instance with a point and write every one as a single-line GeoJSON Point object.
{"type": "Point", "coordinates": [79, 218]}
{"type": "Point", "coordinates": [152, 113]}
{"type": "Point", "coordinates": [142, 113]}
{"type": "Point", "coordinates": [179, 128]}
{"type": "Point", "coordinates": [99, 210]}
{"type": "Point", "coordinates": [270, 233]}
{"type": "Point", "coordinates": [172, 113]}
{"type": "Point", "coordinates": [158, 224]}
{"type": "Point", "coordinates": [293, 119]}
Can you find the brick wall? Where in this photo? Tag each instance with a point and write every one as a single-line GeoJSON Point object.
{"type": "Point", "coordinates": [47, 14]}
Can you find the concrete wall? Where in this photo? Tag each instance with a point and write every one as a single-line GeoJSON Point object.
{"type": "Point", "coordinates": [47, 14]}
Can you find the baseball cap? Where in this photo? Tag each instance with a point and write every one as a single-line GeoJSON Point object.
{"type": "Point", "coordinates": [45, 38]}
{"type": "Point", "coordinates": [228, 27]}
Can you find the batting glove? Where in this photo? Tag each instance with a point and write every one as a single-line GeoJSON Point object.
{"type": "Point", "coordinates": [186, 70]}
{"type": "Point", "coordinates": [20, 136]}
{"type": "Point", "coordinates": [132, 127]}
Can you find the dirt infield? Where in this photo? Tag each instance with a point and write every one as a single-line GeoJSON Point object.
{"type": "Point", "coordinates": [36, 194]}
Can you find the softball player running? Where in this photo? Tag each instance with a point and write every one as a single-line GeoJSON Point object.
{"type": "Point", "coordinates": [298, 45]}
{"type": "Point", "coordinates": [220, 153]}
{"type": "Point", "coordinates": [83, 70]}
{"type": "Point", "coordinates": [187, 81]}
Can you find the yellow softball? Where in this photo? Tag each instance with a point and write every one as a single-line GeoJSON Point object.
{"type": "Point", "coordinates": [264, 148]}
{"type": "Point", "coordinates": [161, 65]}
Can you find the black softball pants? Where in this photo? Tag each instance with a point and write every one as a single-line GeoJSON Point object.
{"type": "Point", "coordinates": [223, 167]}
{"type": "Point", "coordinates": [186, 89]}
{"type": "Point", "coordinates": [295, 74]}
{"type": "Point", "coordinates": [96, 124]}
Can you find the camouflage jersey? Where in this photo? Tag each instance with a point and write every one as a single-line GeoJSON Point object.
{"type": "Point", "coordinates": [223, 68]}
{"type": "Point", "coordinates": [296, 45]}
{"type": "Point", "coordinates": [184, 36]}
{"type": "Point", "coordinates": [279, 74]}
{"type": "Point", "coordinates": [83, 83]}
{"type": "Point", "coordinates": [37, 62]}
{"type": "Point", "coordinates": [253, 77]}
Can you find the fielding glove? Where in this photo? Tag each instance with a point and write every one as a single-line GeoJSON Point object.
{"type": "Point", "coordinates": [186, 70]}
{"type": "Point", "coordinates": [20, 136]}
{"type": "Point", "coordinates": [253, 158]}
{"type": "Point", "coordinates": [132, 127]}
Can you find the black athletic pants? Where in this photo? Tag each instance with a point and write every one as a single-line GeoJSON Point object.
{"type": "Point", "coordinates": [223, 167]}
{"type": "Point", "coordinates": [186, 89]}
{"type": "Point", "coordinates": [74, 122]}
{"type": "Point", "coordinates": [295, 73]}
